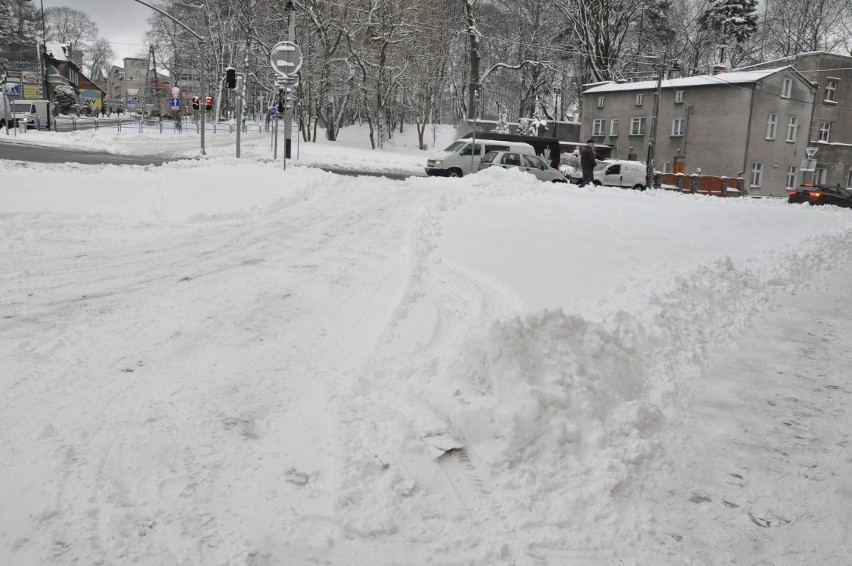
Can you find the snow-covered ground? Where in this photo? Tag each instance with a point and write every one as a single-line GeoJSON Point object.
{"type": "Point", "coordinates": [218, 363]}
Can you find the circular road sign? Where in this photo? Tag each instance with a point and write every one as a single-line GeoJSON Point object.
{"type": "Point", "coordinates": [286, 58]}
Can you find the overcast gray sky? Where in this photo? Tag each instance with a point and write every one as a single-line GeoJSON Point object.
{"type": "Point", "coordinates": [122, 22]}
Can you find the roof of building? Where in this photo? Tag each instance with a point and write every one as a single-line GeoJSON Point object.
{"type": "Point", "coordinates": [57, 50]}
{"type": "Point", "coordinates": [733, 77]}
{"type": "Point", "coordinates": [789, 58]}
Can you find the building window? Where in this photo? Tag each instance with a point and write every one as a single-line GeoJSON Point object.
{"type": "Point", "coordinates": [640, 98]}
{"type": "Point", "coordinates": [791, 176]}
{"type": "Point", "coordinates": [786, 88]}
{"type": "Point", "coordinates": [637, 126]}
{"type": "Point", "coordinates": [598, 127]}
{"type": "Point", "coordinates": [819, 175]}
{"type": "Point", "coordinates": [831, 90]}
{"type": "Point", "coordinates": [667, 167]}
{"type": "Point", "coordinates": [756, 174]}
{"type": "Point", "coordinates": [824, 131]}
{"type": "Point", "coordinates": [771, 126]}
{"type": "Point", "coordinates": [678, 97]}
{"type": "Point", "coordinates": [613, 128]}
{"type": "Point", "coordinates": [601, 100]}
{"type": "Point", "coordinates": [792, 127]}
{"type": "Point", "coordinates": [678, 126]}
{"type": "Point", "coordinates": [849, 180]}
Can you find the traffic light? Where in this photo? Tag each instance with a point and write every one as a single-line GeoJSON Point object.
{"type": "Point", "coordinates": [231, 77]}
{"type": "Point", "coordinates": [195, 103]}
{"type": "Point", "coordinates": [285, 95]}
{"type": "Point", "coordinates": [208, 103]}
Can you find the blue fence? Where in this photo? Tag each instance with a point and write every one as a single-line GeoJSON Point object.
{"type": "Point", "coordinates": [73, 124]}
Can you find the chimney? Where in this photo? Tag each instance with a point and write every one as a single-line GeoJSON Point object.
{"type": "Point", "coordinates": [719, 68]}
{"type": "Point", "coordinates": [621, 81]}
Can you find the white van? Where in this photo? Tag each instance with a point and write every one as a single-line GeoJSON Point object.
{"type": "Point", "coordinates": [458, 160]}
{"type": "Point", "coordinates": [29, 110]}
{"type": "Point", "coordinates": [621, 173]}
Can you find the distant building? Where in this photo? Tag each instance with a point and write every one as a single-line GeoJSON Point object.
{"type": "Point", "coordinates": [831, 127]}
{"type": "Point", "coordinates": [752, 124]}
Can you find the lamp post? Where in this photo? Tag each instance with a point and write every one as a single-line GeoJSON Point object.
{"type": "Point", "coordinates": [202, 62]}
{"type": "Point", "coordinates": [290, 8]}
{"type": "Point", "coordinates": [42, 57]}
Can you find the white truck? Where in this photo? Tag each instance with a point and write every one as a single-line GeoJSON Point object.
{"type": "Point", "coordinates": [35, 113]}
{"type": "Point", "coordinates": [462, 157]}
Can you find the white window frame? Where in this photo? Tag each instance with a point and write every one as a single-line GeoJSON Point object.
{"type": "Point", "coordinates": [820, 174]}
{"type": "Point", "coordinates": [824, 131]}
{"type": "Point", "coordinates": [771, 126]}
{"type": "Point", "coordinates": [756, 174]}
{"type": "Point", "coordinates": [640, 99]}
{"type": "Point", "coordinates": [791, 177]}
{"type": "Point", "coordinates": [792, 128]}
{"type": "Point", "coordinates": [601, 101]}
{"type": "Point", "coordinates": [613, 128]}
{"type": "Point", "coordinates": [598, 127]}
{"type": "Point", "coordinates": [786, 88]}
{"type": "Point", "coordinates": [678, 127]}
{"type": "Point", "coordinates": [831, 90]}
{"type": "Point", "coordinates": [678, 97]}
{"type": "Point", "coordinates": [667, 167]}
{"type": "Point", "coordinates": [637, 126]}
{"type": "Point", "coordinates": [849, 179]}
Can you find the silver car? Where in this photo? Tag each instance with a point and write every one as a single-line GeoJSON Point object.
{"type": "Point", "coordinates": [524, 162]}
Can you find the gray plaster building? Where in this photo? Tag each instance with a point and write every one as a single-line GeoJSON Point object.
{"type": "Point", "coordinates": [752, 124]}
{"type": "Point", "coordinates": [831, 128]}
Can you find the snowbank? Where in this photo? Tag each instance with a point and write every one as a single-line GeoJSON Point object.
{"type": "Point", "coordinates": [219, 362]}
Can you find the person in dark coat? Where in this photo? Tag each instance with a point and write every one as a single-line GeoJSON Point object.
{"type": "Point", "coordinates": [587, 163]}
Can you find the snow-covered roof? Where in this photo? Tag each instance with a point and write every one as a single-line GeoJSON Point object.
{"type": "Point", "coordinates": [733, 77]}
{"type": "Point", "coordinates": [793, 58]}
{"type": "Point", "coordinates": [57, 50]}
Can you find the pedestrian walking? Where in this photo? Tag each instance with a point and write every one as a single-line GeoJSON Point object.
{"type": "Point", "coordinates": [588, 162]}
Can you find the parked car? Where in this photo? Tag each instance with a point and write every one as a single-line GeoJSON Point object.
{"type": "Point", "coordinates": [577, 174]}
{"type": "Point", "coordinates": [462, 157]}
{"type": "Point", "coordinates": [523, 161]}
{"type": "Point", "coordinates": [617, 173]}
{"type": "Point", "coordinates": [821, 194]}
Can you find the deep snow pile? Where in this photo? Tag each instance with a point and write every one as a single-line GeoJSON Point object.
{"type": "Point", "coordinates": [223, 363]}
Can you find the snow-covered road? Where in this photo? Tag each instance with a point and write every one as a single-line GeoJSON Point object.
{"type": "Point", "coordinates": [222, 363]}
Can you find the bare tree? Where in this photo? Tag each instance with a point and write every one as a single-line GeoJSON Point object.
{"type": "Point", "coordinates": [98, 57]}
{"type": "Point", "coordinates": [67, 25]}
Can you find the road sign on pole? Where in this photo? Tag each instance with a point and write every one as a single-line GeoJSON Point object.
{"type": "Point", "coordinates": [175, 102]}
{"type": "Point", "coordinates": [285, 58]}
{"type": "Point", "coordinates": [808, 165]}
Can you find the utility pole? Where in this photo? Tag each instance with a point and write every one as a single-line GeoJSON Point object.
{"type": "Point", "coordinates": [203, 57]}
{"type": "Point", "coordinates": [475, 100]}
{"type": "Point", "coordinates": [288, 116]}
{"type": "Point", "coordinates": [652, 142]}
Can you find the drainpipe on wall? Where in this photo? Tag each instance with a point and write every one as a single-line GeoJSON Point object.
{"type": "Point", "coordinates": [811, 125]}
{"type": "Point", "coordinates": [748, 137]}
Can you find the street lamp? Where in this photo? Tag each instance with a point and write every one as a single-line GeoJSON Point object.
{"type": "Point", "coordinates": [42, 59]}
{"type": "Point", "coordinates": [290, 9]}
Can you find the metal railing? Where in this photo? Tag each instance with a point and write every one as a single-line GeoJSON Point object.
{"type": "Point", "coordinates": [76, 123]}
{"type": "Point", "coordinates": [701, 184]}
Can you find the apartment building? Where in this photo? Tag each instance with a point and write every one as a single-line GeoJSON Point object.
{"type": "Point", "coordinates": [831, 127]}
{"type": "Point", "coordinates": [753, 124]}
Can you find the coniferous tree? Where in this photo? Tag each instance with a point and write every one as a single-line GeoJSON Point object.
{"type": "Point", "coordinates": [733, 18]}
